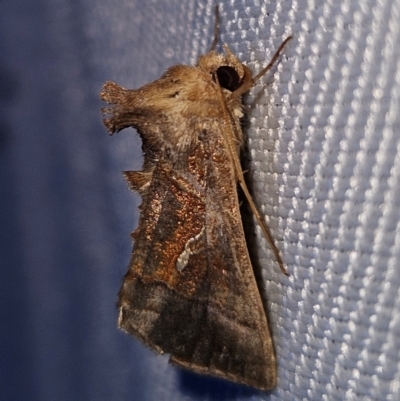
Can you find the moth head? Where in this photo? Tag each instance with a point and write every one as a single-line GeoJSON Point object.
{"type": "Point", "coordinates": [226, 68]}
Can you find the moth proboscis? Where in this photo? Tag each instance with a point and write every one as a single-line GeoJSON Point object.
{"type": "Point", "coordinates": [190, 290]}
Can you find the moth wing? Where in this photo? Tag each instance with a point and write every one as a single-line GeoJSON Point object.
{"type": "Point", "coordinates": [190, 290]}
{"type": "Point", "coordinates": [234, 340]}
{"type": "Point", "coordinates": [231, 338]}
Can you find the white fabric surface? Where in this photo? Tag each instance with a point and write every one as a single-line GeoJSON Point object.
{"type": "Point", "coordinates": [324, 140]}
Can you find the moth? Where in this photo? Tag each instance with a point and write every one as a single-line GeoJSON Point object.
{"type": "Point", "coordinates": [190, 290]}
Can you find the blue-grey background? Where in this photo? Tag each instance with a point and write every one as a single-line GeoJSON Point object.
{"type": "Point", "coordinates": [324, 160]}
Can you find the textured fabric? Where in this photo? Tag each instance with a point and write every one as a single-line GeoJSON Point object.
{"type": "Point", "coordinates": [324, 158]}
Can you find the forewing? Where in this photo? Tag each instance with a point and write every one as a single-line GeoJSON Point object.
{"type": "Point", "coordinates": [234, 341]}
{"type": "Point", "coordinates": [190, 289]}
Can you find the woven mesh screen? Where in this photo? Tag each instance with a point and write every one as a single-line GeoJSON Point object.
{"type": "Point", "coordinates": [323, 139]}
{"type": "Point", "coordinates": [324, 167]}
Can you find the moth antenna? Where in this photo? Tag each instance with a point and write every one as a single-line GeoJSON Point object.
{"type": "Point", "coordinates": [230, 145]}
{"type": "Point", "coordinates": [273, 60]}
{"type": "Point", "coordinates": [249, 83]}
{"type": "Point", "coordinates": [216, 30]}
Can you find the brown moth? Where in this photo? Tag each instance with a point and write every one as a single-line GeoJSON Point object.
{"type": "Point", "coordinates": [190, 290]}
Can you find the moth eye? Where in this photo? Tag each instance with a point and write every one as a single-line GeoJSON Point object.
{"type": "Point", "coordinates": [228, 78]}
